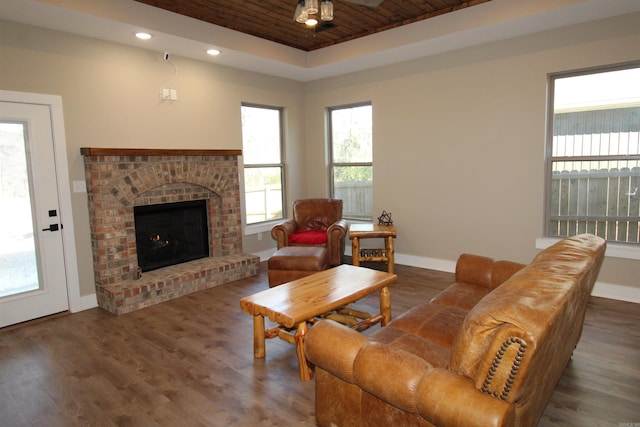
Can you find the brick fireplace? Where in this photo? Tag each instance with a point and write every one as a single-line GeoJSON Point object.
{"type": "Point", "coordinates": [120, 179]}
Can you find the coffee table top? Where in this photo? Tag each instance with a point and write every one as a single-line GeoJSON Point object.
{"type": "Point", "coordinates": [311, 296]}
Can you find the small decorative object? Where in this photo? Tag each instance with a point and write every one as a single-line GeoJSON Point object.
{"type": "Point", "coordinates": [138, 273]}
{"type": "Point", "coordinates": [385, 218]}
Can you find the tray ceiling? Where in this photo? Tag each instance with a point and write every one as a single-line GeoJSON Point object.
{"type": "Point", "coordinates": [273, 19]}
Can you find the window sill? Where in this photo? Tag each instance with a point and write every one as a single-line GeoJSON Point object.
{"type": "Point", "coordinates": [613, 250]}
{"type": "Point", "coordinates": [263, 227]}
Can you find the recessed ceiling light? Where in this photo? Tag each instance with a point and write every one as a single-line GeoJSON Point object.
{"type": "Point", "coordinates": [213, 52]}
{"type": "Point", "coordinates": [143, 36]}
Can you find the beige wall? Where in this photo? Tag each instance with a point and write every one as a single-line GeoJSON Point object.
{"type": "Point", "coordinates": [110, 96]}
{"type": "Point", "coordinates": [459, 140]}
{"type": "Point", "coordinates": [458, 137]}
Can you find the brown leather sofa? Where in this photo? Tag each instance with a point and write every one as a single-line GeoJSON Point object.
{"type": "Point", "coordinates": [315, 222]}
{"type": "Point", "coordinates": [487, 351]}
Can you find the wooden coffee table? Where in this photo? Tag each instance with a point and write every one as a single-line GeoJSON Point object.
{"type": "Point", "coordinates": [294, 304]}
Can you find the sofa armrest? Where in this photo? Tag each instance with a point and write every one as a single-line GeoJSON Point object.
{"type": "Point", "coordinates": [448, 399]}
{"type": "Point", "coordinates": [403, 379]}
{"type": "Point", "coordinates": [334, 347]}
{"type": "Point", "coordinates": [391, 374]}
{"type": "Point", "coordinates": [280, 233]}
{"type": "Point", "coordinates": [474, 270]}
{"type": "Point", "coordinates": [383, 371]}
{"type": "Point", "coordinates": [336, 240]}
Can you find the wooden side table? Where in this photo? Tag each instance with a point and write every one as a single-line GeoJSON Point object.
{"type": "Point", "coordinates": [368, 231]}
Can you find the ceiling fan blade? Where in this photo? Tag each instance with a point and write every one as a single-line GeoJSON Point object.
{"type": "Point", "coordinates": [368, 3]}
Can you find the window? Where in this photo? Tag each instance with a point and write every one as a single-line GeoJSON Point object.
{"type": "Point", "coordinates": [593, 154]}
{"type": "Point", "coordinates": [351, 147]}
{"type": "Point", "coordinates": [263, 164]}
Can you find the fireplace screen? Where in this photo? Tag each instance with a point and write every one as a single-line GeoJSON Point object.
{"type": "Point", "coordinates": [171, 233]}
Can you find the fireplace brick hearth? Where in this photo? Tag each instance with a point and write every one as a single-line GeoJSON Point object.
{"type": "Point", "coordinates": [119, 179]}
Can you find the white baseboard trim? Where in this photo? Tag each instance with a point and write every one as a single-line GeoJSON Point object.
{"type": "Point", "coordinates": [264, 255]}
{"type": "Point", "coordinates": [616, 292]}
{"type": "Point", "coordinates": [600, 289]}
{"type": "Point", "coordinates": [429, 263]}
{"type": "Point", "coordinates": [603, 290]}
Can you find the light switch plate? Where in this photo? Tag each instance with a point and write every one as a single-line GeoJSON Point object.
{"type": "Point", "coordinates": [79, 186]}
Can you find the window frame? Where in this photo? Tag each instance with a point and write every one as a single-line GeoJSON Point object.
{"type": "Point", "coordinates": [629, 250]}
{"type": "Point", "coordinates": [264, 226]}
{"type": "Point", "coordinates": [333, 164]}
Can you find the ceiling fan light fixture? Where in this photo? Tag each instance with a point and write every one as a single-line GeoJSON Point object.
{"type": "Point", "coordinates": [311, 22]}
{"type": "Point", "coordinates": [311, 6]}
{"type": "Point", "coordinates": [326, 10]}
{"type": "Point", "coordinates": [300, 15]}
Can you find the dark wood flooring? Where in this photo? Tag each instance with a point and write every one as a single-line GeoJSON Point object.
{"type": "Point", "coordinates": [189, 362]}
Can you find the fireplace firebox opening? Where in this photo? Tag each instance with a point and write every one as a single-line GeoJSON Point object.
{"type": "Point", "coordinates": [171, 233]}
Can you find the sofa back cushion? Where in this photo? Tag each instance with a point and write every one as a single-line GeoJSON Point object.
{"type": "Point", "coordinates": [530, 324]}
{"type": "Point", "coordinates": [476, 276]}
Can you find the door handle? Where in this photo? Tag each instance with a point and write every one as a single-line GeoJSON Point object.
{"type": "Point", "coordinates": [52, 227]}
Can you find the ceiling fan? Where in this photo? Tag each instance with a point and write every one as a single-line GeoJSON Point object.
{"type": "Point", "coordinates": [307, 11]}
{"type": "Point", "coordinates": [368, 3]}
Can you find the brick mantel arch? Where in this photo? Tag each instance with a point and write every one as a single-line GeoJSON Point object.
{"type": "Point", "coordinates": [118, 180]}
{"type": "Point", "coordinates": [128, 187]}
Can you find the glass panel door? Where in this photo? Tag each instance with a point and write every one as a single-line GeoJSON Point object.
{"type": "Point", "coordinates": [18, 259]}
{"type": "Point", "coordinates": [33, 281]}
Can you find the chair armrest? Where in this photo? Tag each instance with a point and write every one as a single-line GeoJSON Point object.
{"type": "Point", "coordinates": [336, 240]}
{"type": "Point", "coordinates": [280, 233]}
{"type": "Point", "coordinates": [448, 399]}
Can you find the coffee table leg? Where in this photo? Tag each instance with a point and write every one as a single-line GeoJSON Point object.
{"type": "Point", "coordinates": [258, 337]}
{"type": "Point", "coordinates": [303, 366]}
{"type": "Point", "coordinates": [385, 305]}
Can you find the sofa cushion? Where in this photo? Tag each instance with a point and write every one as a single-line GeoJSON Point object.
{"type": "Point", "coordinates": [476, 276]}
{"type": "Point", "coordinates": [462, 295]}
{"type": "Point", "coordinates": [309, 237]}
{"type": "Point", "coordinates": [427, 331]}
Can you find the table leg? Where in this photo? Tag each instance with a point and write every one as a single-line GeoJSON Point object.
{"type": "Point", "coordinates": [258, 337]}
{"type": "Point", "coordinates": [391, 263]}
{"type": "Point", "coordinates": [303, 366]}
{"type": "Point", "coordinates": [385, 305]}
{"type": "Point", "coordinates": [355, 251]}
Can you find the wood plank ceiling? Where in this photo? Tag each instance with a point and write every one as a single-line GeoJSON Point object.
{"type": "Point", "coordinates": [273, 19]}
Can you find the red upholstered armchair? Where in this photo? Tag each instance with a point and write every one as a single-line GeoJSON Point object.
{"type": "Point", "coordinates": [315, 222]}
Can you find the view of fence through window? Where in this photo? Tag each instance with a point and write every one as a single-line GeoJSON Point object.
{"type": "Point", "coordinates": [263, 166]}
{"type": "Point", "coordinates": [594, 161]}
{"type": "Point", "coordinates": [352, 159]}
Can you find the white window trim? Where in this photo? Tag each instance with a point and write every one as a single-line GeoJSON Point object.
{"type": "Point", "coordinates": [613, 250]}
{"type": "Point", "coordinates": [333, 164]}
{"type": "Point", "coordinates": [261, 227]}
